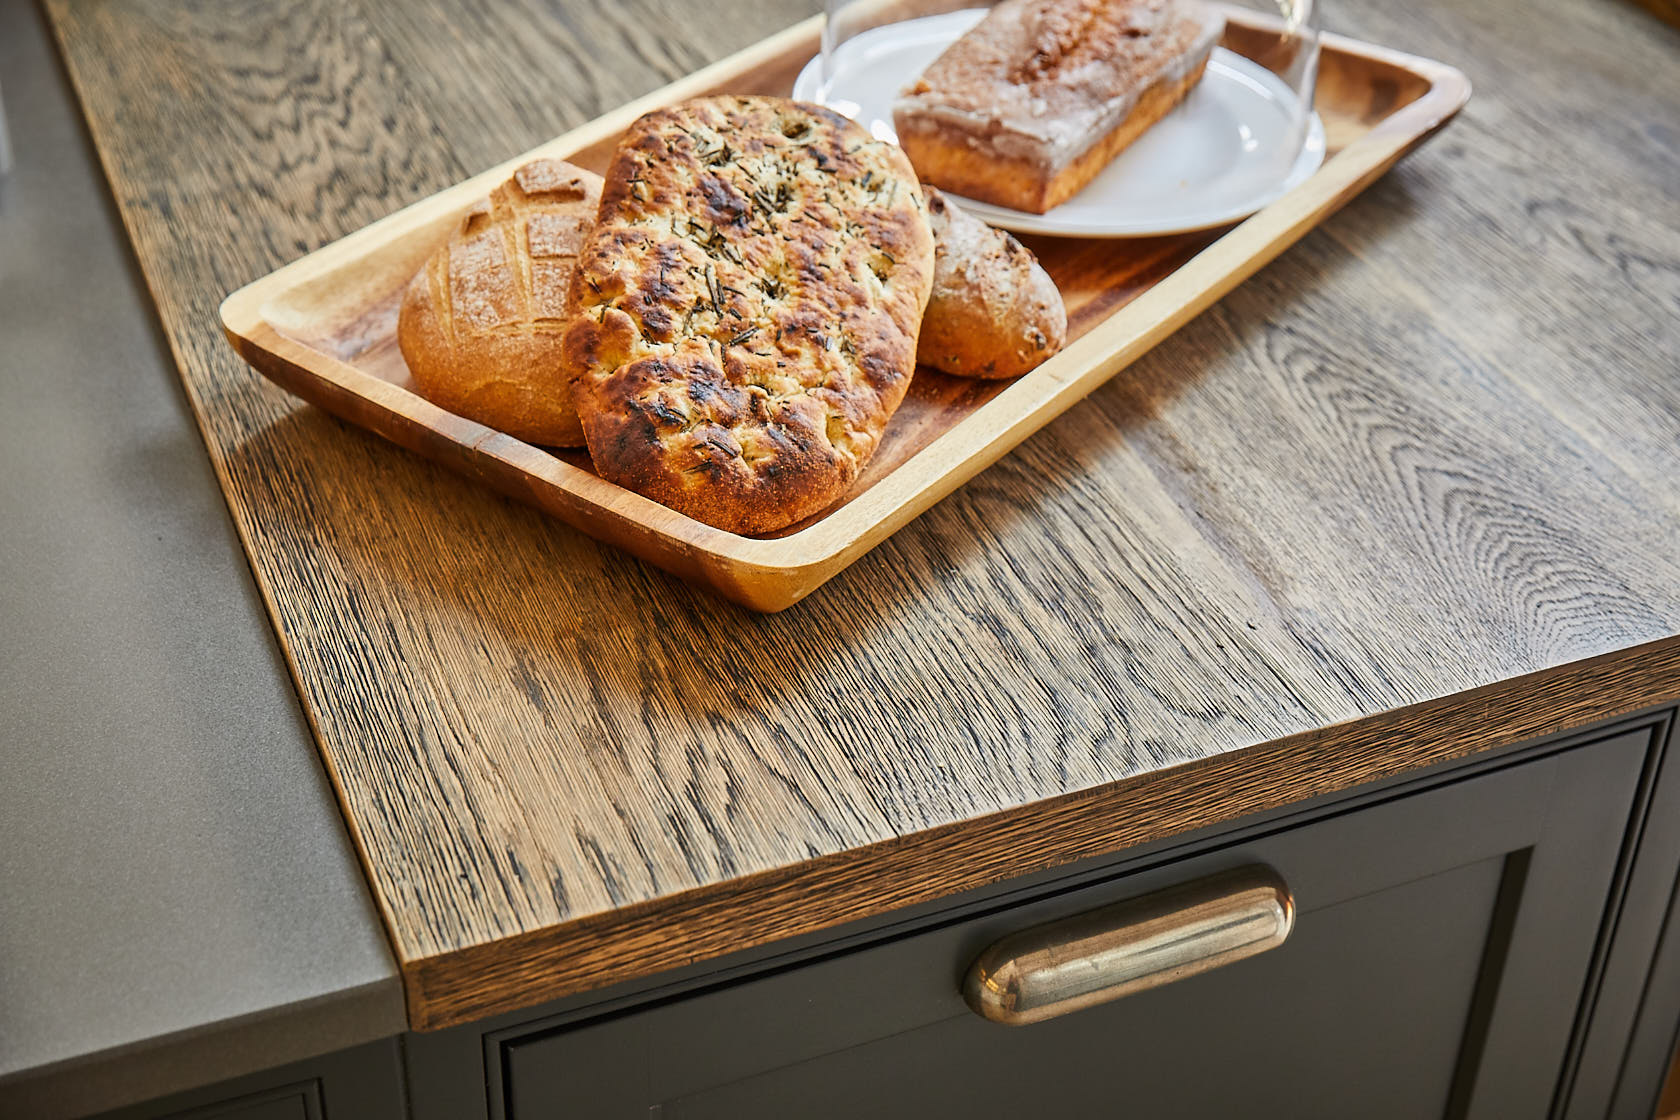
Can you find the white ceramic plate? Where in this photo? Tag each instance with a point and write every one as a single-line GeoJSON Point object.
{"type": "Point", "coordinates": [1222, 154]}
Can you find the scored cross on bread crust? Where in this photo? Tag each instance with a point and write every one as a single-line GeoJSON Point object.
{"type": "Point", "coordinates": [481, 324]}
{"type": "Point", "coordinates": [747, 308]}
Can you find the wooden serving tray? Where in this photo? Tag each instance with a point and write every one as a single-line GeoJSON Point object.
{"type": "Point", "coordinates": [324, 327]}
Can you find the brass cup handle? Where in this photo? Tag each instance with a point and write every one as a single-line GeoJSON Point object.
{"type": "Point", "coordinates": [1131, 946]}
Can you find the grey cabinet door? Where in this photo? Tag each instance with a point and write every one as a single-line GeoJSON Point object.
{"type": "Point", "coordinates": [1442, 944]}
{"type": "Point", "coordinates": [360, 1083]}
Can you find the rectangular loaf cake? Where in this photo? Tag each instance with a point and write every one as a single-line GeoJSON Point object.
{"type": "Point", "coordinates": [1027, 108]}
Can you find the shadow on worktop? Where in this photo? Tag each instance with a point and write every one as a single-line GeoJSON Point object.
{"type": "Point", "coordinates": [572, 588]}
{"type": "Point", "coordinates": [587, 645]}
{"type": "Point", "coordinates": [629, 626]}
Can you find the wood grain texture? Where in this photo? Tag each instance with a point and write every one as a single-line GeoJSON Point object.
{"type": "Point", "coordinates": [1407, 494]}
{"type": "Point", "coordinates": [322, 327]}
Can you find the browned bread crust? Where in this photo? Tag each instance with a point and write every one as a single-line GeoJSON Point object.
{"type": "Point", "coordinates": [747, 308]}
{"type": "Point", "coordinates": [481, 324]}
{"type": "Point", "coordinates": [994, 312]}
{"type": "Point", "coordinates": [1027, 108]}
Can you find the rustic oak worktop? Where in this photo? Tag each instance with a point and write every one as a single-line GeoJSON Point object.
{"type": "Point", "coordinates": [1408, 493]}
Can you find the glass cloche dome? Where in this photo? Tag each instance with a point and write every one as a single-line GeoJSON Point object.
{"type": "Point", "coordinates": [1084, 117]}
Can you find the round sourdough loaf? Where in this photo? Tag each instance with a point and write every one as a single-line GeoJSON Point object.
{"type": "Point", "coordinates": [481, 324]}
{"type": "Point", "coordinates": [746, 308]}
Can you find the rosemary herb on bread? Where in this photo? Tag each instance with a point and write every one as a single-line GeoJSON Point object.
{"type": "Point", "coordinates": [994, 312]}
{"type": "Point", "coordinates": [481, 324]}
{"type": "Point", "coordinates": [746, 308]}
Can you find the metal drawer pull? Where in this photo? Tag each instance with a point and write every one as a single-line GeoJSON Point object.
{"type": "Point", "coordinates": [1131, 946]}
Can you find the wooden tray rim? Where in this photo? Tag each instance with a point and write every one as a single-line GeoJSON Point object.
{"type": "Point", "coordinates": [807, 558]}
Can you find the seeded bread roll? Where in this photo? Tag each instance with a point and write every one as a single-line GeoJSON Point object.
{"type": "Point", "coordinates": [747, 308]}
{"type": "Point", "coordinates": [481, 324]}
{"type": "Point", "coordinates": [1036, 99]}
{"type": "Point", "coordinates": [994, 312]}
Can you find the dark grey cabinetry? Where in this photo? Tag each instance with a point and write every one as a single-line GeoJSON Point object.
{"type": "Point", "coordinates": [360, 1083]}
{"type": "Point", "coordinates": [1442, 941]}
{"type": "Point", "coordinates": [1487, 940]}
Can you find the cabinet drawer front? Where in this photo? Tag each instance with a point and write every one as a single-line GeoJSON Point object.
{"type": "Point", "coordinates": [292, 1102]}
{"type": "Point", "coordinates": [1406, 909]}
{"type": "Point", "coordinates": [1375, 991]}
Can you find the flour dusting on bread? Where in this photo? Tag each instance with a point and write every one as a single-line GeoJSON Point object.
{"type": "Point", "coordinates": [994, 312]}
{"type": "Point", "coordinates": [481, 324]}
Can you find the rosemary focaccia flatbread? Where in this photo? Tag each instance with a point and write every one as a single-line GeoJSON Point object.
{"type": "Point", "coordinates": [745, 311]}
